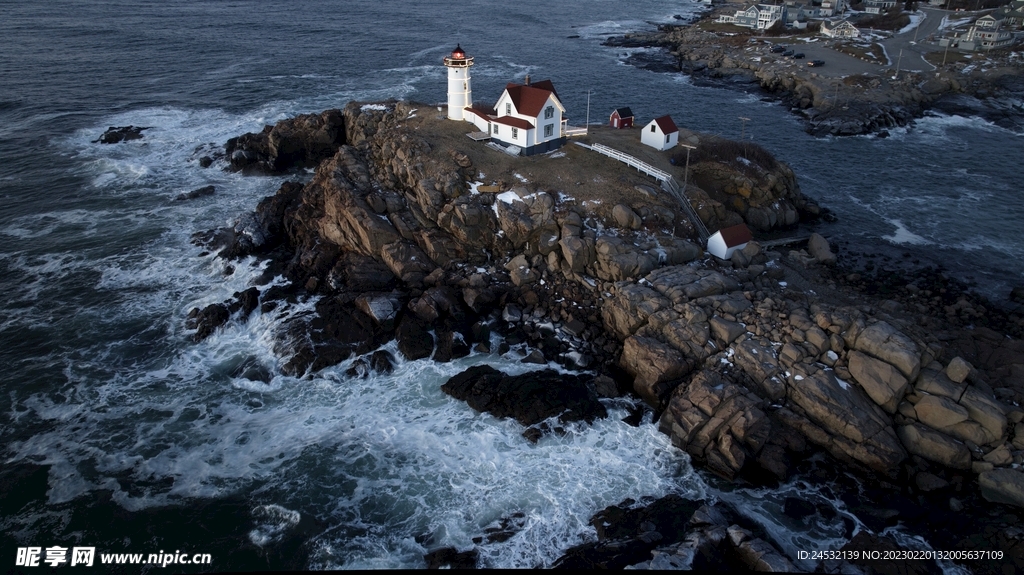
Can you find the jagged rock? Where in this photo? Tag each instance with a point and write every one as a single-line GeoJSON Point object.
{"type": "Point", "coordinates": [842, 410]}
{"type": "Point", "coordinates": [725, 331]}
{"type": "Point", "coordinates": [934, 446]}
{"type": "Point", "coordinates": [655, 367]}
{"type": "Point", "coordinates": [618, 260]}
{"type": "Point", "coordinates": [383, 308]}
{"type": "Point", "coordinates": [629, 308]}
{"type": "Point", "coordinates": [761, 363]}
{"type": "Point", "coordinates": [117, 134]}
{"type": "Point", "coordinates": [757, 554]}
{"type": "Point", "coordinates": [529, 398]}
{"type": "Point", "coordinates": [302, 141]}
{"type": "Point", "coordinates": [197, 193]}
{"type": "Point", "coordinates": [884, 384]}
{"type": "Point", "coordinates": [715, 422]}
{"type": "Point", "coordinates": [207, 320]}
{"type": "Point", "coordinates": [414, 339]}
{"type": "Point", "coordinates": [451, 558]}
{"type": "Point", "coordinates": [382, 361]}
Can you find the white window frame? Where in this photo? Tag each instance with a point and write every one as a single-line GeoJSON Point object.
{"type": "Point", "coordinates": [515, 133]}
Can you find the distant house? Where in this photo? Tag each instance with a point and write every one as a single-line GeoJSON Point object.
{"type": "Point", "coordinates": [528, 116]}
{"type": "Point", "coordinates": [832, 8]}
{"type": "Point", "coordinates": [725, 241]}
{"type": "Point", "coordinates": [988, 21]}
{"type": "Point", "coordinates": [878, 6]}
{"type": "Point", "coordinates": [660, 134]}
{"type": "Point", "coordinates": [1012, 15]}
{"type": "Point", "coordinates": [621, 118]}
{"type": "Point", "coordinates": [758, 16]}
{"type": "Point", "coordinates": [840, 29]}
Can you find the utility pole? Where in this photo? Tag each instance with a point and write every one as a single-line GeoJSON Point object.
{"type": "Point", "coordinates": [686, 174]}
{"type": "Point", "coordinates": [946, 51]}
{"type": "Point", "coordinates": [587, 125]}
{"type": "Point", "coordinates": [898, 60]}
{"type": "Point", "coordinates": [743, 129]}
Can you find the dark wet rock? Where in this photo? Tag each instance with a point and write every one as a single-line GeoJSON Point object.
{"type": "Point", "coordinates": [451, 558]}
{"type": "Point", "coordinates": [302, 141]}
{"type": "Point", "coordinates": [334, 333]}
{"type": "Point", "coordinates": [529, 398]}
{"type": "Point", "coordinates": [627, 533]}
{"type": "Point", "coordinates": [382, 361]}
{"type": "Point", "coordinates": [450, 345]}
{"type": "Point", "coordinates": [414, 339]}
{"type": "Point", "coordinates": [205, 162]}
{"type": "Point", "coordinates": [116, 134]}
{"type": "Point", "coordinates": [245, 301]}
{"type": "Point", "coordinates": [205, 321]}
{"type": "Point", "coordinates": [197, 193]}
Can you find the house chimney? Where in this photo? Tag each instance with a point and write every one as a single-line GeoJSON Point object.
{"type": "Point", "coordinates": [527, 81]}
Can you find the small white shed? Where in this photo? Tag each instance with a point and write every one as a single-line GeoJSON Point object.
{"type": "Point", "coordinates": [727, 240]}
{"type": "Point", "coordinates": [660, 134]}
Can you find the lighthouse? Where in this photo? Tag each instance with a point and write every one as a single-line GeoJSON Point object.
{"type": "Point", "coordinates": [460, 92]}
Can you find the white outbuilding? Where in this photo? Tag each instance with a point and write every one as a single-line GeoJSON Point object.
{"type": "Point", "coordinates": [727, 240]}
{"type": "Point", "coordinates": [660, 134]}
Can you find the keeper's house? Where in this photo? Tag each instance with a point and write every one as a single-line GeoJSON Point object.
{"type": "Point", "coordinates": [528, 116]}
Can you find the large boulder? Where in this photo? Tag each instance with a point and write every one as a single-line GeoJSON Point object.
{"type": "Point", "coordinates": [934, 446]}
{"type": "Point", "coordinates": [1003, 486]}
{"type": "Point", "coordinates": [884, 384]}
{"type": "Point", "coordinates": [655, 366]}
{"type": "Point", "coordinates": [302, 141]}
{"type": "Point", "coordinates": [892, 346]}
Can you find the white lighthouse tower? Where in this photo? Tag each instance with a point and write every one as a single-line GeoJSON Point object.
{"type": "Point", "coordinates": [460, 91]}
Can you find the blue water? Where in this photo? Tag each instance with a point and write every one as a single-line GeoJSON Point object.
{"type": "Point", "coordinates": [103, 385]}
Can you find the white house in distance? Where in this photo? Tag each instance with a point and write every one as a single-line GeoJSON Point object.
{"type": "Point", "coordinates": [758, 16]}
{"type": "Point", "coordinates": [725, 241]}
{"type": "Point", "coordinates": [839, 29]}
{"type": "Point", "coordinates": [660, 134]}
{"type": "Point", "coordinates": [527, 116]}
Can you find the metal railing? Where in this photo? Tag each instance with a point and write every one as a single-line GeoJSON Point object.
{"type": "Point", "coordinates": [668, 183]}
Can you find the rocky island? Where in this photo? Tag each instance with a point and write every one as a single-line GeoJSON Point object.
{"type": "Point", "coordinates": [902, 392]}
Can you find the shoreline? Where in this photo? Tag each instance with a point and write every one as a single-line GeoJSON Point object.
{"type": "Point", "coordinates": [388, 245]}
{"type": "Point", "coordinates": [851, 99]}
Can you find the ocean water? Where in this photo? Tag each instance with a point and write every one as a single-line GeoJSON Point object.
{"type": "Point", "coordinates": [103, 385]}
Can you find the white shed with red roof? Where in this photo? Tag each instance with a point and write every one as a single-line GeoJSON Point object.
{"type": "Point", "coordinates": [660, 134]}
{"type": "Point", "coordinates": [727, 240]}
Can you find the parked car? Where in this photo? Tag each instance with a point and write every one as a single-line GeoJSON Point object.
{"type": "Point", "coordinates": [798, 55]}
{"type": "Point", "coordinates": [778, 48]}
{"type": "Point", "coordinates": [787, 53]}
{"type": "Point", "coordinates": [816, 63]}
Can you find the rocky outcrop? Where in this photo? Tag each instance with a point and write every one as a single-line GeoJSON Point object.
{"type": "Point", "coordinates": [530, 398]}
{"type": "Point", "coordinates": [302, 141]}
{"type": "Point", "coordinates": [117, 134]}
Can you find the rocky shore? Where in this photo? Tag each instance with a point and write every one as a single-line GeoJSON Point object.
{"type": "Point", "coordinates": [777, 363]}
{"type": "Point", "coordinates": [852, 104]}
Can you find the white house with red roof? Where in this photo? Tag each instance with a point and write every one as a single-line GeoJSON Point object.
{"type": "Point", "coordinates": [528, 116]}
{"type": "Point", "coordinates": [727, 240]}
{"type": "Point", "coordinates": [660, 134]}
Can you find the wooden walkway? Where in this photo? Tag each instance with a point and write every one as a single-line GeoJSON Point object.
{"type": "Point", "coordinates": [668, 183]}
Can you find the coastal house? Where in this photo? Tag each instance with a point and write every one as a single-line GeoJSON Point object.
{"type": "Point", "coordinates": [977, 38]}
{"type": "Point", "coordinates": [1012, 14]}
{"type": "Point", "coordinates": [839, 29]}
{"type": "Point", "coordinates": [831, 8]}
{"type": "Point", "coordinates": [757, 16]}
{"type": "Point", "coordinates": [660, 134]}
{"type": "Point", "coordinates": [621, 118]}
{"type": "Point", "coordinates": [878, 6]}
{"type": "Point", "coordinates": [725, 241]}
{"type": "Point", "coordinates": [989, 21]}
{"type": "Point", "coordinates": [528, 116]}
